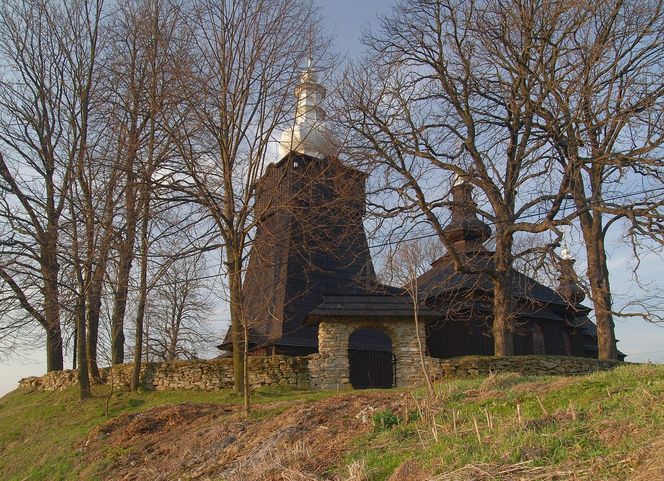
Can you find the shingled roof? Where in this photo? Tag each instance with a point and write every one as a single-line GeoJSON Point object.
{"type": "Point", "coordinates": [369, 306]}
{"type": "Point", "coordinates": [442, 279]}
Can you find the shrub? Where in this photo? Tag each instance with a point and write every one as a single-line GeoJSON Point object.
{"type": "Point", "coordinates": [384, 420]}
{"type": "Point", "coordinates": [413, 415]}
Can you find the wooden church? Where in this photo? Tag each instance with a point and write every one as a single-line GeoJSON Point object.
{"type": "Point", "coordinates": [310, 261]}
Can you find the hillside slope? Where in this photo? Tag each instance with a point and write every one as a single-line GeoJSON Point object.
{"type": "Point", "coordinates": [511, 427]}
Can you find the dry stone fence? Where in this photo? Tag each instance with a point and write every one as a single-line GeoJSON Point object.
{"type": "Point", "coordinates": [207, 375]}
{"type": "Point", "coordinates": [305, 372]}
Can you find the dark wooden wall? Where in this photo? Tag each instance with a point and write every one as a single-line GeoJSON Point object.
{"type": "Point", "coordinates": [462, 338]}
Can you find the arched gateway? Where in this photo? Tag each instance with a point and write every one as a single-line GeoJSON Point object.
{"type": "Point", "coordinates": [370, 359]}
{"type": "Point", "coordinates": [368, 340]}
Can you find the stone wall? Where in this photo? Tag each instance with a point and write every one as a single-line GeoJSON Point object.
{"type": "Point", "coordinates": [210, 375]}
{"type": "Point", "coordinates": [470, 366]}
{"type": "Point", "coordinates": [328, 370]}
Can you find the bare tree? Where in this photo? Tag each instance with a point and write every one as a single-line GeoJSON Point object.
{"type": "Point", "coordinates": [164, 60]}
{"type": "Point", "coordinates": [404, 264]}
{"type": "Point", "coordinates": [128, 68]}
{"type": "Point", "coordinates": [179, 312]}
{"type": "Point", "coordinates": [49, 51]}
{"type": "Point", "coordinates": [605, 118]}
{"type": "Point", "coordinates": [146, 50]}
{"type": "Point", "coordinates": [246, 57]}
{"type": "Point", "coordinates": [450, 88]}
{"type": "Point", "coordinates": [95, 194]}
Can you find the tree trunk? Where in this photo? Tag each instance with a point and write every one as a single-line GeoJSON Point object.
{"type": "Point", "coordinates": [50, 270]}
{"type": "Point", "coordinates": [138, 335]}
{"type": "Point", "coordinates": [414, 294]}
{"type": "Point", "coordinates": [142, 292]}
{"type": "Point", "coordinates": [97, 284]}
{"type": "Point", "coordinates": [103, 233]}
{"type": "Point", "coordinates": [245, 370]}
{"type": "Point", "coordinates": [502, 306]}
{"type": "Point", "coordinates": [171, 343]}
{"type": "Point", "coordinates": [122, 286]}
{"type": "Point", "coordinates": [503, 301]}
{"type": "Point", "coordinates": [592, 229]}
{"type": "Point", "coordinates": [73, 357]}
{"type": "Point", "coordinates": [54, 359]}
{"type": "Point", "coordinates": [119, 308]}
{"type": "Point", "coordinates": [234, 265]}
{"type": "Point", "coordinates": [94, 306]}
{"type": "Point", "coordinates": [126, 252]}
{"type": "Point", "coordinates": [80, 311]}
{"type": "Point", "coordinates": [91, 346]}
{"type": "Point", "coordinates": [600, 290]}
{"type": "Point", "coordinates": [83, 374]}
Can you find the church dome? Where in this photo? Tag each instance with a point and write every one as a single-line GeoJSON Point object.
{"type": "Point", "coordinates": [310, 134]}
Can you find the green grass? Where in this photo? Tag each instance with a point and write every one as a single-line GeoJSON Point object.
{"type": "Point", "coordinates": [587, 422]}
{"type": "Point", "coordinates": [39, 430]}
{"type": "Point", "coordinates": [564, 422]}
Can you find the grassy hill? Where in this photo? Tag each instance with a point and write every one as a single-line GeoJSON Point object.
{"type": "Point", "coordinates": [604, 426]}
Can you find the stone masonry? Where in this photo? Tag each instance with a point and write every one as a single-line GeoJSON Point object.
{"type": "Point", "coordinates": [209, 375]}
{"type": "Point", "coordinates": [330, 370]}
{"type": "Point", "coordinates": [471, 366]}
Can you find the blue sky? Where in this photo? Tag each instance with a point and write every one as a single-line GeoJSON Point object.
{"type": "Point", "coordinates": [346, 19]}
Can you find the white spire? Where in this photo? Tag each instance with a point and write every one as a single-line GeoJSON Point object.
{"type": "Point", "coordinates": [565, 253]}
{"type": "Point", "coordinates": [309, 135]}
{"type": "Point", "coordinates": [457, 179]}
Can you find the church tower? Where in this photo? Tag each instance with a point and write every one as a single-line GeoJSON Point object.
{"type": "Point", "coordinates": [310, 240]}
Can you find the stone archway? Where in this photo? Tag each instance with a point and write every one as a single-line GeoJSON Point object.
{"type": "Point", "coordinates": [331, 368]}
{"type": "Point", "coordinates": [371, 363]}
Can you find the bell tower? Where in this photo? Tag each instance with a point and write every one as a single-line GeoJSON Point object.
{"type": "Point", "coordinates": [310, 240]}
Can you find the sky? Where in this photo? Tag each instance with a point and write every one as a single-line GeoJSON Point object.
{"type": "Point", "coordinates": [345, 19]}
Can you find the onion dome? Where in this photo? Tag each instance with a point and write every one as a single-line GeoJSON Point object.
{"type": "Point", "coordinates": [310, 134]}
{"type": "Point", "coordinates": [568, 287]}
{"type": "Point", "coordinates": [466, 232]}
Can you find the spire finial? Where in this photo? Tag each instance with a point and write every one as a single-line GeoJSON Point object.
{"type": "Point", "coordinates": [565, 253]}
{"type": "Point", "coordinates": [465, 229]}
{"type": "Point", "coordinates": [457, 179]}
{"type": "Point", "coordinates": [568, 286]}
{"type": "Point", "coordinates": [309, 135]}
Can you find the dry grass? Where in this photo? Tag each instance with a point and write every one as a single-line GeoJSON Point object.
{"type": "Point", "coordinates": [501, 381]}
{"type": "Point", "coordinates": [272, 462]}
{"type": "Point", "coordinates": [651, 467]}
{"type": "Point", "coordinates": [515, 472]}
{"type": "Point", "coordinates": [357, 471]}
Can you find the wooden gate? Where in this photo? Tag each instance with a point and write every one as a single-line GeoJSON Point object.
{"type": "Point", "coordinates": [372, 369]}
